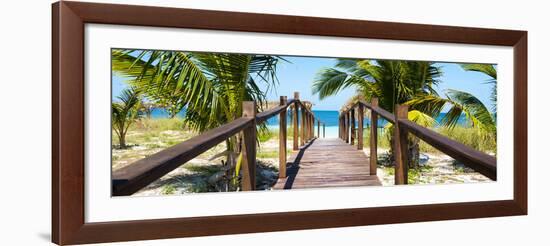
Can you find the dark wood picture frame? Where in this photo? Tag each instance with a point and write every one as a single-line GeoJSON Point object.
{"type": "Point", "coordinates": [68, 224]}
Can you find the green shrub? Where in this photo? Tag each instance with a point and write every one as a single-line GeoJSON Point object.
{"type": "Point", "coordinates": [383, 140]}
{"type": "Point", "coordinates": [465, 135]}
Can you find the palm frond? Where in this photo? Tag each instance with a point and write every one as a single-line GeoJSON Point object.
{"type": "Point", "coordinates": [474, 109]}
{"type": "Point", "coordinates": [330, 81]}
{"type": "Point", "coordinates": [490, 71]}
{"type": "Point", "coordinates": [421, 118]}
{"type": "Point", "coordinates": [459, 103]}
{"type": "Point", "coordinates": [487, 69]}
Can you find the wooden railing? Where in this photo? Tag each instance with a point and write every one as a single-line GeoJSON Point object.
{"type": "Point", "coordinates": [477, 160]}
{"type": "Point", "coordinates": [139, 174]}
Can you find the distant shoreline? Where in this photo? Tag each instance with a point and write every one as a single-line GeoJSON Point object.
{"type": "Point", "coordinates": [328, 117]}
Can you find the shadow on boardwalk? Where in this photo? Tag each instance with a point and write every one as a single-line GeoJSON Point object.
{"type": "Point", "coordinates": [294, 167]}
{"type": "Point", "coordinates": [327, 162]}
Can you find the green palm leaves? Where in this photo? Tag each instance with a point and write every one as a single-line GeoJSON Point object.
{"type": "Point", "coordinates": [490, 71]}
{"type": "Point", "coordinates": [483, 68]}
{"type": "Point", "coordinates": [412, 83]}
{"type": "Point", "coordinates": [463, 103]}
{"type": "Point", "coordinates": [210, 86]}
{"type": "Point", "coordinates": [391, 81]}
{"type": "Point", "coordinates": [460, 103]}
{"type": "Point", "coordinates": [124, 113]}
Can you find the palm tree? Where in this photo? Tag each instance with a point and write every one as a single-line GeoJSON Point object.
{"type": "Point", "coordinates": [393, 82]}
{"type": "Point", "coordinates": [210, 86]}
{"type": "Point", "coordinates": [463, 103]}
{"type": "Point", "coordinates": [124, 113]}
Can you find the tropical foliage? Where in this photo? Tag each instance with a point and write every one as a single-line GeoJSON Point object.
{"type": "Point", "coordinates": [490, 71]}
{"type": "Point", "coordinates": [211, 87]}
{"type": "Point", "coordinates": [124, 113]}
{"type": "Point", "coordinates": [462, 103]}
{"type": "Point", "coordinates": [393, 82]}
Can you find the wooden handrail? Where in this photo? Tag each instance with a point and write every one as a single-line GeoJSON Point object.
{"type": "Point", "coordinates": [139, 174]}
{"type": "Point", "coordinates": [477, 160]}
{"type": "Point", "coordinates": [380, 111]}
{"type": "Point", "coordinates": [265, 115]}
{"type": "Point", "coordinates": [307, 110]}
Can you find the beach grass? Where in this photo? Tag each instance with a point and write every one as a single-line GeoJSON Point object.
{"type": "Point", "coordinates": [470, 137]}
{"type": "Point", "coordinates": [158, 124]}
{"type": "Point", "coordinates": [466, 135]}
{"type": "Point", "coordinates": [150, 135]}
{"type": "Point", "coordinates": [383, 140]}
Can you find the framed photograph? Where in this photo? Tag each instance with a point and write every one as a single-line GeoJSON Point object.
{"type": "Point", "coordinates": [175, 122]}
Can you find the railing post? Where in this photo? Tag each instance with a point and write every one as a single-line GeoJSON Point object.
{"type": "Point", "coordinates": [312, 124]}
{"type": "Point", "coordinates": [339, 126]}
{"type": "Point", "coordinates": [282, 139]}
{"type": "Point", "coordinates": [311, 127]}
{"type": "Point", "coordinates": [308, 126]}
{"type": "Point", "coordinates": [353, 132]}
{"type": "Point", "coordinates": [360, 113]}
{"type": "Point", "coordinates": [295, 121]}
{"type": "Point", "coordinates": [318, 128]}
{"type": "Point", "coordinates": [400, 146]}
{"type": "Point", "coordinates": [248, 168]}
{"type": "Point", "coordinates": [349, 126]}
{"type": "Point", "coordinates": [342, 123]}
{"type": "Point", "coordinates": [303, 125]}
{"type": "Point", "coordinates": [342, 127]}
{"type": "Point", "coordinates": [323, 130]}
{"type": "Point", "coordinates": [346, 130]}
{"type": "Point", "coordinates": [373, 137]}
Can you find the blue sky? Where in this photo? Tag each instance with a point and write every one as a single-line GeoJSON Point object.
{"type": "Point", "coordinates": [299, 73]}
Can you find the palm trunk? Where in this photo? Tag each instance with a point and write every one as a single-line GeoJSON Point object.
{"type": "Point", "coordinates": [414, 152]}
{"type": "Point", "coordinates": [121, 137]}
{"type": "Point", "coordinates": [233, 149]}
{"type": "Point", "coordinates": [122, 142]}
{"type": "Point", "coordinates": [413, 159]}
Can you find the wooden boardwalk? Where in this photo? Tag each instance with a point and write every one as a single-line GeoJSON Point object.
{"type": "Point", "coordinates": [327, 162]}
{"type": "Point", "coordinates": [320, 162]}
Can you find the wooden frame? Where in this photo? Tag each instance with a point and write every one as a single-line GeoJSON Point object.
{"type": "Point", "coordinates": [68, 224]}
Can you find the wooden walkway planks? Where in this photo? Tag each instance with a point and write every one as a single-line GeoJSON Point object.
{"type": "Point", "coordinates": [327, 162]}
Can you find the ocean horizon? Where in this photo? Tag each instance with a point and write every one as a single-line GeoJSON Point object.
{"type": "Point", "coordinates": [328, 117]}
